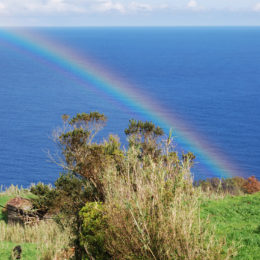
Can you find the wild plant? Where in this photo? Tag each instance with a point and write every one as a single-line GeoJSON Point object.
{"type": "Point", "coordinates": [153, 212]}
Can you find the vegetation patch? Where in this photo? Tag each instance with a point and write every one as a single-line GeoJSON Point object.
{"type": "Point", "coordinates": [29, 251]}
{"type": "Point", "coordinates": [134, 203]}
{"type": "Point", "coordinates": [237, 219]}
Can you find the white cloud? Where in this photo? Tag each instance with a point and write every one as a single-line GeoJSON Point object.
{"type": "Point", "coordinates": [134, 6]}
{"type": "Point", "coordinates": [163, 6]}
{"type": "Point", "coordinates": [81, 12]}
{"type": "Point", "coordinates": [192, 4]}
{"type": "Point", "coordinates": [2, 8]}
{"type": "Point", "coordinates": [257, 7]}
{"type": "Point", "coordinates": [58, 8]}
{"type": "Point", "coordinates": [44, 7]}
{"type": "Point", "coordinates": [107, 5]}
{"type": "Point", "coordinates": [195, 6]}
{"type": "Point", "coordinates": [49, 6]}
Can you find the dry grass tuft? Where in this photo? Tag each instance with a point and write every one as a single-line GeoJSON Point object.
{"type": "Point", "coordinates": [153, 213]}
{"type": "Point", "coordinates": [47, 237]}
{"type": "Point", "coordinates": [13, 190]}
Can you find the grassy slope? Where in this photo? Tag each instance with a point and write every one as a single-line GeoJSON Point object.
{"type": "Point", "coordinates": [29, 250]}
{"type": "Point", "coordinates": [237, 219]}
{"type": "Point", "coordinates": [3, 200]}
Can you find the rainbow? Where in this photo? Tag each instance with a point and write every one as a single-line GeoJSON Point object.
{"type": "Point", "coordinates": [89, 73]}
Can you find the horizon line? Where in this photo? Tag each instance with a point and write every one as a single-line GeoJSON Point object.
{"type": "Point", "coordinates": [129, 26]}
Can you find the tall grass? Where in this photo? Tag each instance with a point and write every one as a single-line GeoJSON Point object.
{"type": "Point", "coordinates": [13, 190]}
{"type": "Point", "coordinates": [44, 240]}
{"type": "Point", "coordinates": [153, 212]}
{"type": "Point", "coordinates": [46, 236]}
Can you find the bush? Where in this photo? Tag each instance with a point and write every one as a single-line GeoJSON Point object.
{"type": "Point", "coordinates": [252, 185]}
{"type": "Point", "coordinates": [153, 213]}
{"type": "Point", "coordinates": [65, 200]}
{"type": "Point", "coordinates": [232, 186]}
{"type": "Point", "coordinates": [94, 225]}
{"type": "Point", "coordinates": [151, 207]}
{"type": "Point", "coordinates": [239, 182]}
{"type": "Point", "coordinates": [45, 198]}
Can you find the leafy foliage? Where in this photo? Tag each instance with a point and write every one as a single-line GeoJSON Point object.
{"type": "Point", "coordinates": [84, 163]}
{"type": "Point", "coordinates": [93, 229]}
{"type": "Point", "coordinates": [233, 186]}
{"type": "Point", "coordinates": [148, 130]}
{"type": "Point", "coordinates": [144, 135]}
{"type": "Point", "coordinates": [45, 198]}
{"type": "Point", "coordinates": [84, 158]}
{"type": "Point", "coordinates": [133, 204]}
{"type": "Point", "coordinates": [252, 185]}
{"type": "Point", "coordinates": [65, 200]}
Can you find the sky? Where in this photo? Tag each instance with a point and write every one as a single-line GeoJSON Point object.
{"type": "Point", "coordinates": [129, 13]}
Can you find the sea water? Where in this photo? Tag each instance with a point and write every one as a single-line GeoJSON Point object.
{"type": "Point", "coordinates": [209, 77]}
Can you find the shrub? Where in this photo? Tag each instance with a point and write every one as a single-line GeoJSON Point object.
{"type": "Point", "coordinates": [151, 207]}
{"type": "Point", "coordinates": [45, 197]}
{"type": "Point", "coordinates": [93, 229]}
{"type": "Point", "coordinates": [252, 185]}
{"type": "Point", "coordinates": [153, 213]}
{"type": "Point", "coordinates": [145, 135]}
{"type": "Point", "coordinates": [233, 186]}
{"type": "Point", "coordinates": [240, 182]}
{"type": "Point", "coordinates": [65, 201]}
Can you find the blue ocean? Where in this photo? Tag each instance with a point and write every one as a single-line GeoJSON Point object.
{"type": "Point", "coordinates": [208, 76]}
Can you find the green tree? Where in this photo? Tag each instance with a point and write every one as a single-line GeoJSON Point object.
{"type": "Point", "coordinates": [145, 135]}
{"type": "Point", "coordinates": [84, 162]}
{"type": "Point", "coordinates": [82, 156]}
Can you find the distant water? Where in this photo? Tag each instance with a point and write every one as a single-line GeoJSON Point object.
{"type": "Point", "coordinates": [210, 77]}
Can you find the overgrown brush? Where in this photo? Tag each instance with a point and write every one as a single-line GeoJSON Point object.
{"type": "Point", "coordinates": [235, 186]}
{"type": "Point", "coordinates": [139, 203]}
{"type": "Point", "coordinates": [153, 213]}
{"type": "Point", "coordinates": [46, 236]}
{"type": "Point", "coordinates": [252, 185]}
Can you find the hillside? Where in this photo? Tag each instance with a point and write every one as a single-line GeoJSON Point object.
{"type": "Point", "coordinates": [236, 218]}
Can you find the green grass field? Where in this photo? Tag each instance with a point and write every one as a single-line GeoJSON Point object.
{"type": "Point", "coordinates": [6, 247]}
{"type": "Point", "coordinates": [238, 220]}
{"type": "Point", "coordinates": [235, 218]}
{"type": "Point", "coordinates": [29, 250]}
{"type": "Point", "coordinates": [3, 200]}
{"type": "Point", "coordinates": [41, 240]}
